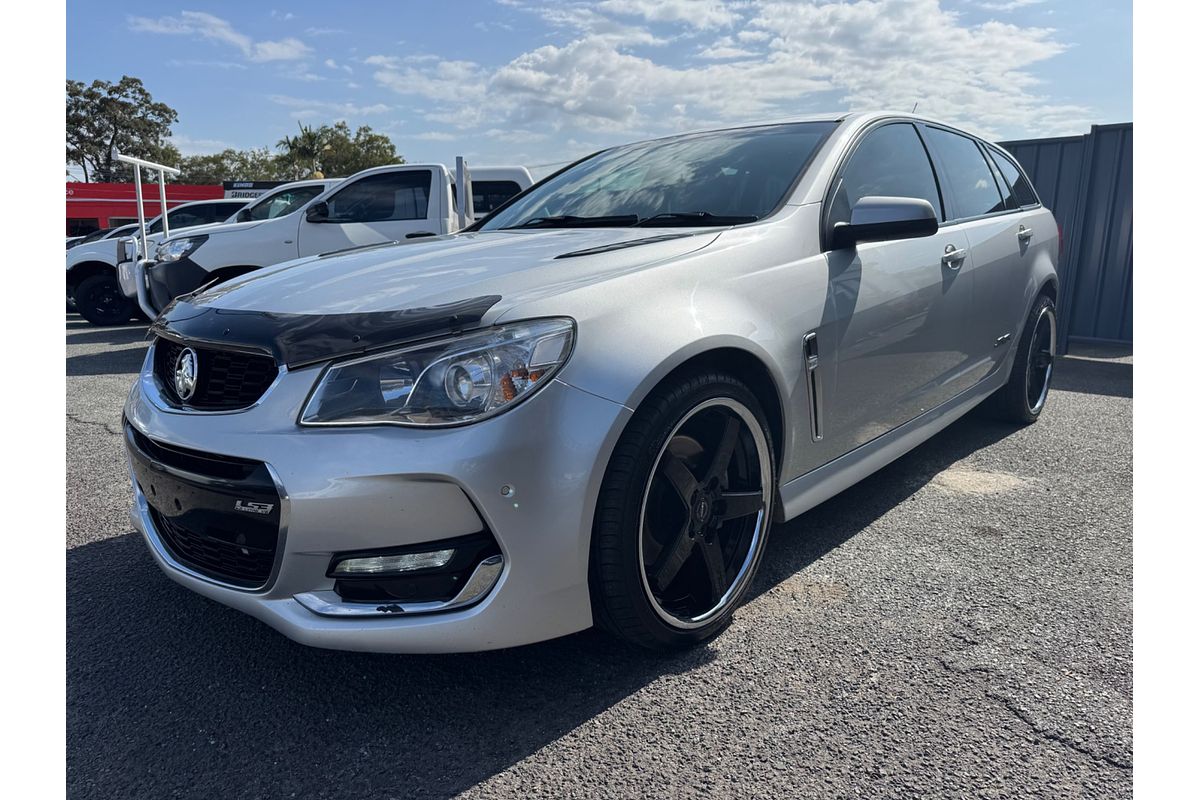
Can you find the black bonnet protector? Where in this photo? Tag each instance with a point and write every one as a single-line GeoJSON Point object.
{"type": "Point", "coordinates": [298, 340]}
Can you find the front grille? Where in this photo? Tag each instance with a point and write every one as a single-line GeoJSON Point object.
{"type": "Point", "coordinates": [218, 515]}
{"type": "Point", "coordinates": [224, 554]}
{"type": "Point", "coordinates": [226, 380]}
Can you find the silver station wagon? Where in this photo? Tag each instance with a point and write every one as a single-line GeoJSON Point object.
{"type": "Point", "coordinates": [590, 407]}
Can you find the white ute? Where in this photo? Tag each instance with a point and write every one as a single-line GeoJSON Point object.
{"type": "Point", "coordinates": [92, 266]}
{"type": "Point", "coordinates": [376, 206]}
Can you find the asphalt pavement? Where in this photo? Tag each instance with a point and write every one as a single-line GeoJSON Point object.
{"type": "Point", "coordinates": [957, 625]}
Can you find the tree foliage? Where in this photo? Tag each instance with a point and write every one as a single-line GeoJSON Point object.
{"type": "Point", "coordinates": [232, 165]}
{"type": "Point", "coordinates": [334, 151]}
{"type": "Point", "coordinates": [105, 118]}
{"type": "Point", "coordinates": [344, 155]}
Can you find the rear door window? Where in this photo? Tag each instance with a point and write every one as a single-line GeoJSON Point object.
{"type": "Point", "coordinates": [487, 196]}
{"type": "Point", "coordinates": [1022, 192]}
{"type": "Point", "coordinates": [965, 172]}
{"type": "Point", "coordinates": [889, 162]}
{"type": "Point", "coordinates": [383, 197]}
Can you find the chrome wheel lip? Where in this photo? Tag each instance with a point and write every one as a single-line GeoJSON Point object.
{"type": "Point", "coordinates": [1047, 313]}
{"type": "Point", "coordinates": [753, 552]}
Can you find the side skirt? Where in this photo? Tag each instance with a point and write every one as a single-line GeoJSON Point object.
{"type": "Point", "coordinates": [815, 487]}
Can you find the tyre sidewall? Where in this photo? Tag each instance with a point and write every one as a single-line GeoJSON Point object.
{"type": "Point", "coordinates": [92, 313]}
{"type": "Point", "coordinates": [647, 434]}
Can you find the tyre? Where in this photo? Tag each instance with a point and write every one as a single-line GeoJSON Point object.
{"type": "Point", "coordinates": [1022, 399]}
{"type": "Point", "coordinates": [100, 301]}
{"type": "Point", "coordinates": [683, 513]}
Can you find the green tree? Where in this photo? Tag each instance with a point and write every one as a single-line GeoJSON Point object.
{"type": "Point", "coordinates": [105, 118]}
{"type": "Point", "coordinates": [345, 154]}
{"type": "Point", "coordinates": [301, 153]}
{"type": "Point", "coordinates": [257, 164]}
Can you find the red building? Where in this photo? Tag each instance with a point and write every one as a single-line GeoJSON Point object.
{"type": "Point", "coordinates": [92, 206]}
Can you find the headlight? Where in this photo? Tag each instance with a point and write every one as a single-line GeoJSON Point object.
{"type": "Point", "coordinates": [175, 249]}
{"type": "Point", "coordinates": [448, 382]}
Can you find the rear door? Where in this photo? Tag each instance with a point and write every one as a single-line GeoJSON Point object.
{"type": "Point", "coordinates": [984, 211]}
{"type": "Point", "coordinates": [1034, 230]}
{"type": "Point", "coordinates": [900, 305]}
{"type": "Point", "coordinates": [380, 206]}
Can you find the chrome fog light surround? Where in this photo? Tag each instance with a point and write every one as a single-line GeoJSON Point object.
{"type": "Point", "coordinates": [482, 581]}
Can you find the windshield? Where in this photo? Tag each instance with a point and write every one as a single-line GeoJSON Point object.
{"type": "Point", "coordinates": [719, 178]}
{"type": "Point", "coordinates": [283, 202]}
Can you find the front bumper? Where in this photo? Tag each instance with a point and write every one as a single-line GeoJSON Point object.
{"type": "Point", "coordinates": [167, 280]}
{"type": "Point", "coordinates": [344, 489]}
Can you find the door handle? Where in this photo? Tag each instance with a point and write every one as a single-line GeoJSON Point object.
{"type": "Point", "coordinates": [954, 256]}
{"type": "Point", "coordinates": [419, 234]}
{"type": "Point", "coordinates": [1024, 234]}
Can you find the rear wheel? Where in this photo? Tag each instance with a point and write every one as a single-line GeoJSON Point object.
{"type": "Point", "coordinates": [1022, 399]}
{"type": "Point", "coordinates": [683, 514]}
{"type": "Point", "coordinates": [100, 301]}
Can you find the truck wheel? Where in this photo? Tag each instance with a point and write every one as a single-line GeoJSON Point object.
{"type": "Point", "coordinates": [1022, 399]}
{"type": "Point", "coordinates": [100, 301]}
{"type": "Point", "coordinates": [683, 514]}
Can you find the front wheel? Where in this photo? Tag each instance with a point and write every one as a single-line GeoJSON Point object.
{"type": "Point", "coordinates": [1022, 399]}
{"type": "Point", "coordinates": [100, 301]}
{"type": "Point", "coordinates": [683, 513]}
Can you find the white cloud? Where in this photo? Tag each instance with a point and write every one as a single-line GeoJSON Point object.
{"type": "Point", "coordinates": [702, 14]}
{"type": "Point", "coordinates": [759, 59]}
{"type": "Point", "coordinates": [724, 48]}
{"type": "Point", "coordinates": [329, 62]}
{"type": "Point", "coordinates": [310, 108]}
{"type": "Point", "coordinates": [435, 136]}
{"type": "Point", "coordinates": [198, 147]}
{"type": "Point", "coordinates": [213, 28]}
{"type": "Point", "coordinates": [1007, 5]}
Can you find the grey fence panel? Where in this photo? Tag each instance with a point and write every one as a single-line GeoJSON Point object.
{"type": "Point", "coordinates": [1087, 181]}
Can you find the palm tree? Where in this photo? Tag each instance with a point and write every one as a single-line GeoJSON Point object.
{"type": "Point", "coordinates": [304, 150]}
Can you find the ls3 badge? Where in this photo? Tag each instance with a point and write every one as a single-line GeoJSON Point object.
{"type": "Point", "coordinates": [253, 508]}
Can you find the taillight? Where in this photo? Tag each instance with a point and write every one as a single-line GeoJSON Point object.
{"type": "Point", "coordinates": [1060, 243]}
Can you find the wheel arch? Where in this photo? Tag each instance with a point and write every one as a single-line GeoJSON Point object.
{"type": "Point", "coordinates": [743, 359]}
{"type": "Point", "coordinates": [80, 272]}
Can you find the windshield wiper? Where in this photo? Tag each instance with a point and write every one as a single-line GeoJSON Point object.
{"type": "Point", "coordinates": [570, 221]}
{"type": "Point", "coordinates": [685, 219]}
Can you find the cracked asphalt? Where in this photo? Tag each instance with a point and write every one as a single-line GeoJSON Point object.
{"type": "Point", "coordinates": [957, 625]}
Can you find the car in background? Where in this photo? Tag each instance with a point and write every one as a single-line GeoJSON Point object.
{"type": "Point", "coordinates": [103, 233]}
{"type": "Point", "coordinates": [92, 287]}
{"type": "Point", "coordinates": [589, 407]}
{"type": "Point", "coordinates": [377, 206]}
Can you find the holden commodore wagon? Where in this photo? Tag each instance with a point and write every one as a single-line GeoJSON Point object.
{"type": "Point", "coordinates": [590, 407]}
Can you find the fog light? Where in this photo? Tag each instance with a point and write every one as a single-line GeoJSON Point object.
{"type": "Point", "coordinates": [390, 565]}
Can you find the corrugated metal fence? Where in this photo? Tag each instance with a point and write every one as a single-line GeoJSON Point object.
{"type": "Point", "coordinates": [1087, 181]}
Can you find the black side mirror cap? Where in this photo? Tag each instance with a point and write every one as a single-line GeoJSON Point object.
{"type": "Point", "coordinates": [317, 212]}
{"type": "Point", "coordinates": [877, 219]}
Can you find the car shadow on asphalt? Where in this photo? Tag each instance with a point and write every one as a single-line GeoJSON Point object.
{"type": "Point", "coordinates": [128, 334]}
{"type": "Point", "coordinates": [110, 362]}
{"type": "Point", "coordinates": [169, 693]}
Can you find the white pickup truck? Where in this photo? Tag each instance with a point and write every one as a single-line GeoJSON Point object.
{"type": "Point", "coordinates": [92, 266]}
{"type": "Point", "coordinates": [376, 206]}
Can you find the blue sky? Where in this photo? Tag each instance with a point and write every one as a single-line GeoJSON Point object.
{"type": "Point", "coordinates": [523, 81]}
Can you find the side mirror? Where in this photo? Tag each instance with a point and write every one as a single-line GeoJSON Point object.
{"type": "Point", "coordinates": [875, 219]}
{"type": "Point", "coordinates": [317, 212]}
{"type": "Point", "coordinates": [244, 215]}
{"type": "Point", "coordinates": [126, 250]}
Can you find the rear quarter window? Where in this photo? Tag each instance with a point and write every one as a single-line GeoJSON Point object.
{"type": "Point", "coordinates": [1022, 192]}
{"type": "Point", "coordinates": [972, 185]}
